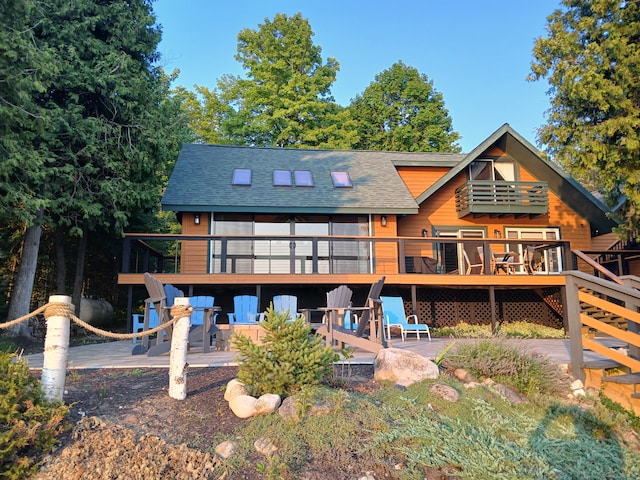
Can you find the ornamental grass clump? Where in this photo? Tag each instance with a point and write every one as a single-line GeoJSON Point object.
{"type": "Point", "coordinates": [29, 423]}
{"type": "Point", "coordinates": [510, 364]}
{"type": "Point", "coordinates": [289, 357]}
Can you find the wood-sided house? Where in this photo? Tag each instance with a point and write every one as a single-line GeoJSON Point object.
{"type": "Point", "coordinates": [269, 221]}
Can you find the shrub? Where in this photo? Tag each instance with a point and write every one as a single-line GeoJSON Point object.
{"type": "Point", "coordinates": [508, 330]}
{"type": "Point", "coordinates": [509, 364]}
{"type": "Point", "coordinates": [28, 422]}
{"type": "Point", "coordinates": [291, 356]}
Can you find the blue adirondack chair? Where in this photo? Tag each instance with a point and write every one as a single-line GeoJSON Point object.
{"type": "Point", "coordinates": [203, 320]}
{"type": "Point", "coordinates": [245, 310]}
{"type": "Point", "coordinates": [395, 316]}
{"type": "Point", "coordinates": [286, 303]}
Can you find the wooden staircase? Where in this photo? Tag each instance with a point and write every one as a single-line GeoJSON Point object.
{"type": "Point", "coordinates": [604, 317]}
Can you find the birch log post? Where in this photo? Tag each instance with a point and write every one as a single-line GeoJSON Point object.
{"type": "Point", "coordinates": [56, 351]}
{"type": "Point", "coordinates": [178, 355]}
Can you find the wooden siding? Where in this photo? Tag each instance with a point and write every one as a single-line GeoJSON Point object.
{"type": "Point", "coordinates": [418, 179]}
{"type": "Point", "coordinates": [194, 254]}
{"type": "Point", "coordinates": [386, 254]}
{"type": "Point", "coordinates": [604, 242]}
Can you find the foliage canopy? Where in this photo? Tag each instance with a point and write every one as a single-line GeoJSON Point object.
{"type": "Point", "coordinates": [591, 59]}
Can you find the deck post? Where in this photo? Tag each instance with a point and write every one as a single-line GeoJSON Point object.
{"type": "Point", "coordinates": [414, 300]}
{"type": "Point", "coordinates": [492, 302]}
{"type": "Point", "coordinates": [572, 307]}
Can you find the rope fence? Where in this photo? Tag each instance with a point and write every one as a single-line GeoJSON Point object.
{"type": "Point", "coordinates": [67, 310]}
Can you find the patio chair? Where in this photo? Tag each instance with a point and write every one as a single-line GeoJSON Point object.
{"type": "Point", "coordinates": [286, 303]}
{"type": "Point", "coordinates": [507, 264]}
{"type": "Point", "coordinates": [470, 266]}
{"type": "Point", "coordinates": [245, 310]}
{"type": "Point", "coordinates": [532, 261]}
{"type": "Point", "coordinates": [203, 321]}
{"type": "Point", "coordinates": [367, 314]}
{"type": "Point", "coordinates": [161, 298]}
{"type": "Point", "coordinates": [395, 316]}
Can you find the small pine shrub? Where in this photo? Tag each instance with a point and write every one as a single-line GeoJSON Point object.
{"type": "Point", "coordinates": [290, 357]}
{"type": "Point", "coordinates": [29, 423]}
{"type": "Point", "coordinates": [508, 364]}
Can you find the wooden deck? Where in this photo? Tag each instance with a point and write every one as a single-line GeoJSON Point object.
{"type": "Point", "coordinates": [407, 280]}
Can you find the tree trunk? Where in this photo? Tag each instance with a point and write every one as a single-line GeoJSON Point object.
{"type": "Point", "coordinates": [79, 276]}
{"type": "Point", "coordinates": [20, 303]}
{"type": "Point", "coordinates": [61, 265]}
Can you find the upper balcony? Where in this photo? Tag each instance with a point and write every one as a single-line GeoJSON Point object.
{"type": "Point", "coordinates": [502, 198]}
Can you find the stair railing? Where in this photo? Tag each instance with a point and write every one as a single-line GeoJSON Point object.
{"type": "Point", "coordinates": [590, 261]}
{"type": "Point", "coordinates": [601, 293]}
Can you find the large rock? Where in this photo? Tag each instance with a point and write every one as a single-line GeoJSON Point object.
{"type": "Point", "coordinates": [401, 366]}
{"type": "Point", "coordinates": [243, 406]}
{"type": "Point", "coordinates": [234, 388]}
{"type": "Point", "coordinates": [267, 403]}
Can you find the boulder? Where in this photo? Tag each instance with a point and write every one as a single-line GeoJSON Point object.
{"type": "Point", "coordinates": [289, 410]}
{"type": "Point", "coordinates": [267, 403]}
{"type": "Point", "coordinates": [234, 388]}
{"type": "Point", "coordinates": [402, 366]}
{"type": "Point", "coordinates": [243, 406]}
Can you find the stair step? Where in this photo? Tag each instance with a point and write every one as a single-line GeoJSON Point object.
{"type": "Point", "coordinates": [627, 379]}
{"type": "Point", "coordinates": [601, 364]}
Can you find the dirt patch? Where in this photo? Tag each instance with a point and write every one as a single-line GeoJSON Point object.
{"type": "Point", "coordinates": [127, 426]}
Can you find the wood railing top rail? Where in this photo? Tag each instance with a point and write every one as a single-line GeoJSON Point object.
{"type": "Point", "coordinates": [584, 257]}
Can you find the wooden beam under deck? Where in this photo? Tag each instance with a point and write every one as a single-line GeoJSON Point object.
{"type": "Point", "coordinates": [426, 280]}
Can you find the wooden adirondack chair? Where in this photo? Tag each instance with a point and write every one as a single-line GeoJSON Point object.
{"type": "Point", "coordinates": [338, 303]}
{"type": "Point", "coordinates": [203, 321]}
{"type": "Point", "coordinates": [286, 303]}
{"type": "Point", "coordinates": [161, 298]}
{"type": "Point", "coordinates": [245, 310]}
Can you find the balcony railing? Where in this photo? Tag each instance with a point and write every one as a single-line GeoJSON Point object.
{"type": "Point", "coordinates": [301, 255]}
{"type": "Point", "coordinates": [501, 198]}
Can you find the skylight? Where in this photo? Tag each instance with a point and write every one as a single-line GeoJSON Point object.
{"type": "Point", "coordinates": [242, 176]}
{"type": "Point", "coordinates": [282, 178]}
{"type": "Point", "coordinates": [341, 179]}
{"type": "Point", "coordinates": [303, 178]}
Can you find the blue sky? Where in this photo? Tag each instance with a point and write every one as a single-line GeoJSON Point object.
{"type": "Point", "coordinates": [478, 53]}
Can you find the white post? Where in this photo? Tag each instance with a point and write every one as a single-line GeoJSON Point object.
{"type": "Point", "coordinates": [56, 350]}
{"type": "Point", "coordinates": [178, 355]}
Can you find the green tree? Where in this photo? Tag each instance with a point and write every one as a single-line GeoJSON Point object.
{"type": "Point", "coordinates": [285, 101]}
{"type": "Point", "coordinates": [205, 112]}
{"type": "Point", "coordinates": [401, 111]}
{"type": "Point", "coordinates": [591, 59]}
{"type": "Point", "coordinates": [26, 67]}
{"type": "Point", "coordinates": [114, 128]}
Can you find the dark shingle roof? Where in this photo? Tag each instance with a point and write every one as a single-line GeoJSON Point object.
{"type": "Point", "coordinates": [201, 181]}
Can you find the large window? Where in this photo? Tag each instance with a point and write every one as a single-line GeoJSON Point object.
{"type": "Point", "coordinates": [547, 260]}
{"type": "Point", "coordinates": [284, 255]}
{"type": "Point", "coordinates": [492, 170]}
{"type": "Point", "coordinates": [451, 258]}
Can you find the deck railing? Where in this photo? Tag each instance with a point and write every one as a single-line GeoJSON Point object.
{"type": "Point", "coordinates": [502, 198]}
{"type": "Point", "coordinates": [251, 254]}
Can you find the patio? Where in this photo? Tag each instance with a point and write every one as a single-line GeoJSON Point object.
{"type": "Point", "coordinates": [118, 354]}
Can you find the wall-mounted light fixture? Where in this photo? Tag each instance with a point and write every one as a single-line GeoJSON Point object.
{"type": "Point", "coordinates": [424, 232]}
{"type": "Point", "coordinates": [496, 233]}
{"type": "Point", "coordinates": [383, 220]}
{"type": "Point", "coordinates": [196, 219]}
